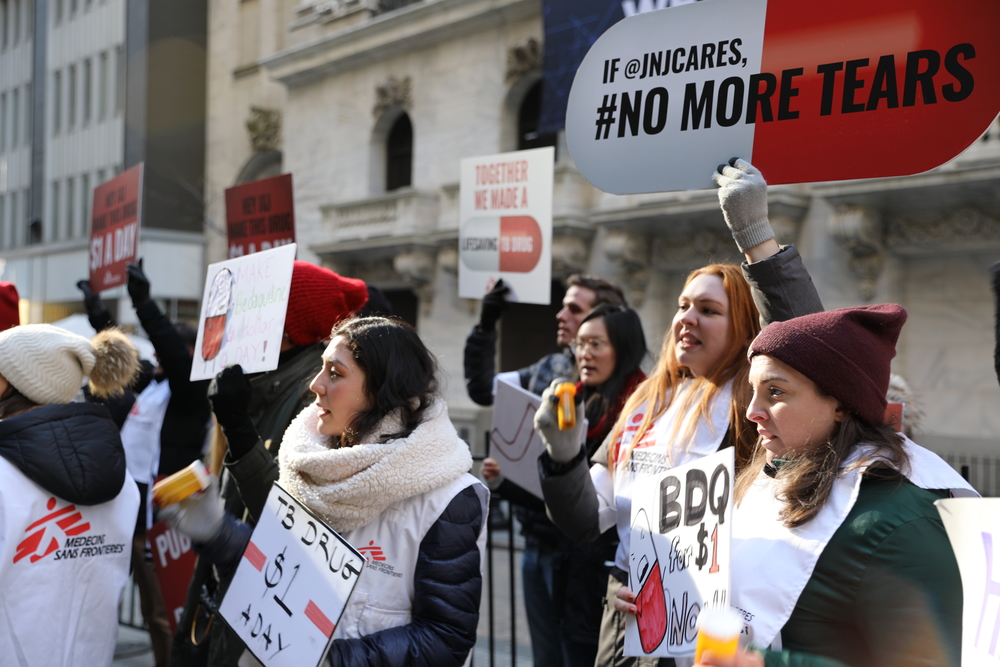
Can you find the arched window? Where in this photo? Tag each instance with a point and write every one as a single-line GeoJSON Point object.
{"type": "Point", "coordinates": [527, 121]}
{"type": "Point", "coordinates": [399, 154]}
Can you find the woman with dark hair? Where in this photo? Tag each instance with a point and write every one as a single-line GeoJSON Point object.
{"type": "Point", "coordinates": [609, 347]}
{"type": "Point", "coordinates": [377, 458]}
{"type": "Point", "coordinates": [839, 554]}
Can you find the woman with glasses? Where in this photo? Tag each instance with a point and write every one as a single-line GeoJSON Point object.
{"type": "Point", "coordinates": [692, 405]}
{"type": "Point", "coordinates": [609, 347]}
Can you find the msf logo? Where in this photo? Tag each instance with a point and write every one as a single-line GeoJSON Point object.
{"type": "Point", "coordinates": [372, 552]}
{"type": "Point", "coordinates": [67, 521]}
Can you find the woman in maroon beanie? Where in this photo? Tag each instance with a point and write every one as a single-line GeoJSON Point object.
{"type": "Point", "coordinates": [839, 554]}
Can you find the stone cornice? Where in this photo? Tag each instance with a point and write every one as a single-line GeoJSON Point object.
{"type": "Point", "coordinates": [392, 34]}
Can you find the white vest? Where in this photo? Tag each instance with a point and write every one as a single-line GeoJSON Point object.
{"type": "Point", "coordinates": [62, 572]}
{"type": "Point", "coordinates": [383, 597]}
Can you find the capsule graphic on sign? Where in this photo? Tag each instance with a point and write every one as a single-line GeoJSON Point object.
{"type": "Point", "coordinates": [511, 243]}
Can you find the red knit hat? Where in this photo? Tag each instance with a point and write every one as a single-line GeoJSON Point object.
{"type": "Point", "coordinates": [9, 314]}
{"type": "Point", "coordinates": [317, 300]}
{"type": "Point", "coordinates": [846, 352]}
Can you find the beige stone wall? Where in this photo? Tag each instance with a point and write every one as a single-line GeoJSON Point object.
{"type": "Point", "coordinates": [925, 241]}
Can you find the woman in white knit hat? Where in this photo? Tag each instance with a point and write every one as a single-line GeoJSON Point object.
{"type": "Point", "coordinates": [67, 504]}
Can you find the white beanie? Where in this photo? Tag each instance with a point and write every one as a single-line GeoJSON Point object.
{"type": "Point", "coordinates": [47, 364]}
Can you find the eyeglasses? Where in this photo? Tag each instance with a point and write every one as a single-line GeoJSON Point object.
{"type": "Point", "coordinates": [595, 345]}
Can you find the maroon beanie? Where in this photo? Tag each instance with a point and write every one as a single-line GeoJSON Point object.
{"type": "Point", "coordinates": [846, 352]}
{"type": "Point", "coordinates": [317, 300]}
{"type": "Point", "coordinates": [9, 314]}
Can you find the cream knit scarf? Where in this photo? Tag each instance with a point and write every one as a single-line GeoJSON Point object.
{"type": "Point", "coordinates": [349, 487]}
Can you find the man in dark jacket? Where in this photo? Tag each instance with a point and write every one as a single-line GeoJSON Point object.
{"type": "Point", "coordinates": [163, 432]}
{"type": "Point", "coordinates": [545, 545]}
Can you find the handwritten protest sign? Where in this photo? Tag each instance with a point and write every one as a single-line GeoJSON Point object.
{"type": "Point", "coordinates": [806, 91]}
{"type": "Point", "coordinates": [114, 228]}
{"type": "Point", "coordinates": [174, 560]}
{"type": "Point", "coordinates": [243, 313]}
{"type": "Point", "coordinates": [973, 526]}
{"type": "Point", "coordinates": [291, 586]}
{"type": "Point", "coordinates": [260, 215]}
{"type": "Point", "coordinates": [506, 225]}
{"type": "Point", "coordinates": [680, 554]}
{"type": "Point", "coordinates": [514, 443]}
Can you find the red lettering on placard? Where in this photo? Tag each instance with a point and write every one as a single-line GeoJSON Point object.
{"type": "Point", "coordinates": [520, 243]}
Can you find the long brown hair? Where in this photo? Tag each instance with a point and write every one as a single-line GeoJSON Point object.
{"type": "Point", "coordinates": [14, 403]}
{"type": "Point", "coordinates": [659, 390]}
{"type": "Point", "coordinates": [805, 483]}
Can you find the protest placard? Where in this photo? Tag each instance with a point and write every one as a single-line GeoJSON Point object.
{"type": "Point", "coordinates": [291, 586]}
{"type": "Point", "coordinates": [173, 560]}
{"type": "Point", "coordinates": [805, 91]}
{"type": "Point", "coordinates": [114, 228]}
{"type": "Point", "coordinates": [260, 215]}
{"type": "Point", "coordinates": [680, 554]}
{"type": "Point", "coordinates": [973, 526]}
{"type": "Point", "coordinates": [514, 443]}
{"type": "Point", "coordinates": [506, 225]}
{"type": "Point", "coordinates": [243, 313]}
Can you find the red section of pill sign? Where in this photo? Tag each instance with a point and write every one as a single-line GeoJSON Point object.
{"type": "Point", "coordinates": [520, 243]}
{"type": "Point", "coordinates": [886, 88]}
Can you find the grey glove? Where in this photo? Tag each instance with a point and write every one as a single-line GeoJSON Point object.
{"type": "Point", "coordinates": [562, 446]}
{"type": "Point", "coordinates": [743, 197]}
{"type": "Point", "coordinates": [199, 516]}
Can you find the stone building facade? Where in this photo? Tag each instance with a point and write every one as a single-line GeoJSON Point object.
{"type": "Point", "coordinates": [329, 91]}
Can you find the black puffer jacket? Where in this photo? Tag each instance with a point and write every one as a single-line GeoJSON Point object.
{"type": "Point", "coordinates": [73, 451]}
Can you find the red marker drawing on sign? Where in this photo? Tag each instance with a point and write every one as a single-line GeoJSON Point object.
{"type": "Point", "coordinates": [255, 556]}
{"type": "Point", "coordinates": [319, 619]}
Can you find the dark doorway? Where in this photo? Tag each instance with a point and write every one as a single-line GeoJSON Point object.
{"type": "Point", "coordinates": [399, 155]}
{"type": "Point", "coordinates": [527, 121]}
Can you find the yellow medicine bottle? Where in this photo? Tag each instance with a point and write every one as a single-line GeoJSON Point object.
{"type": "Point", "coordinates": [566, 391]}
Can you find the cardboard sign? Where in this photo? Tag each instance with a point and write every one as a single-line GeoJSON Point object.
{"type": "Point", "coordinates": [514, 443]}
{"type": "Point", "coordinates": [680, 554]}
{"type": "Point", "coordinates": [805, 91]}
{"type": "Point", "coordinates": [260, 215]}
{"type": "Point", "coordinates": [973, 526]}
{"type": "Point", "coordinates": [291, 586]}
{"type": "Point", "coordinates": [114, 228]}
{"type": "Point", "coordinates": [506, 225]}
{"type": "Point", "coordinates": [174, 561]}
{"type": "Point", "coordinates": [243, 313]}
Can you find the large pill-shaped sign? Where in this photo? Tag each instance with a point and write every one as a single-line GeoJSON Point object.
{"type": "Point", "coordinates": [806, 91]}
{"type": "Point", "coordinates": [505, 225]}
{"type": "Point", "coordinates": [510, 244]}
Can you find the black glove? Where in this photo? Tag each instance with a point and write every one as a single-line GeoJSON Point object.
{"type": "Point", "coordinates": [138, 284]}
{"type": "Point", "coordinates": [99, 316]}
{"type": "Point", "coordinates": [494, 303]}
{"type": "Point", "coordinates": [229, 394]}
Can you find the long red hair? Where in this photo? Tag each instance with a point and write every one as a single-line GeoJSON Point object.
{"type": "Point", "coordinates": [659, 390]}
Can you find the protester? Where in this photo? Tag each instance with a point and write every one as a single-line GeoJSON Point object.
{"type": "Point", "coordinates": [318, 299]}
{"type": "Point", "coordinates": [545, 546]}
{"type": "Point", "coordinates": [163, 431]}
{"type": "Point", "coordinates": [609, 348]}
{"type": "Point", "coordinates": [695, 400]}
{"type": "Point", "coordinates": [377, 458]}
{"type": "Point", "coordinates": [67, 502]}
{"type": "Point", "coordinates": [838, 550]}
